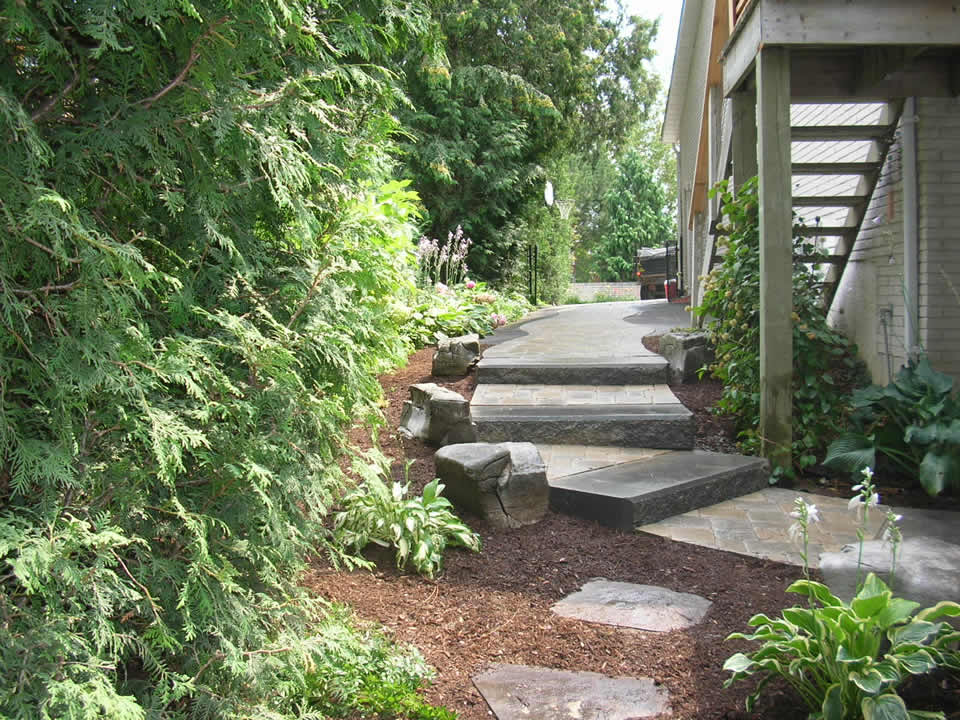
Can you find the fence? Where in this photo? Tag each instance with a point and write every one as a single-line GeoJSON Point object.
{"type": "Point", "coordinates": [621, 291]}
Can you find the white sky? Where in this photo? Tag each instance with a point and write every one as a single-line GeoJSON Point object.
{"type": "Point", "coordinates": [669, 13]}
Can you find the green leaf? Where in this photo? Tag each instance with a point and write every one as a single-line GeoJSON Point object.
{"type": "Point", "coordinates": [851, 452]}
{"type": "Point", "coordinates": [816, 590]}
{"type": "Point", "coordinates": [832, 707]}
{"type": "Point", "coordinates": [884, 707]}
{"type": "Point", "coordinates": [945, 608]}
{"type": "Point", "coordinates": [917, 632]}
{"type": "Point", "coordinates": [939, 469]}
{"type": "Point", "coordinates": [897, 610]}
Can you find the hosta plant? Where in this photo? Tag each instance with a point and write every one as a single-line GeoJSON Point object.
{"type": "Point", "coordinates": [914, 422]}
{"type": "Point", "coordinates": [420, 528]}
{"type": "Point", "coordinates": [846, 660]}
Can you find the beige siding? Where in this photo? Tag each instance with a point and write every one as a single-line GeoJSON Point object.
{"type": "Point", "coordinates": [938, 148]}
{"type": "Point", "coordinates": [872, 284]}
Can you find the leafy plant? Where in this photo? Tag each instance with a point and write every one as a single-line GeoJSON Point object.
{"type": "Point", "coordinates": [914, 422]}
{"type": "Point", "coordinates": [731, 305]}
{"type": "Point", "coordinates": [846, 660]}
{"type": "Point", "coordinates": [420, 528]}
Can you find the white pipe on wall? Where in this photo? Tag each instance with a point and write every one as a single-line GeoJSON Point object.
{"type": "Point", "coordinates": [911, 273]}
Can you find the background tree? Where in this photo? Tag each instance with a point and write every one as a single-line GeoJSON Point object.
{"type": "Point", "coordinates": [623, 200]}
{"type": "Point", "coordinates": [526, 82]}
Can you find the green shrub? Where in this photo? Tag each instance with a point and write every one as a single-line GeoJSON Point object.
{"type": "Point", "coordinates": [914, 422]}
{"type": "Point", "coordinates": [420, 528]}
{"type": "Point", "coordinates": [731, 306]}
{"type": "Point", "coordinates": [199, 251]}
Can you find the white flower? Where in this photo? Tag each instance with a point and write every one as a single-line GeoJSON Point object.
{"type": "Point", "coordinates": [867, 472]}
{"type": "Point", "coordinates": [858, 501]}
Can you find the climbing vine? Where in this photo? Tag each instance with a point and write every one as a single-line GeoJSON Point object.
{"type": "Point", "coordinates": [823, 359]}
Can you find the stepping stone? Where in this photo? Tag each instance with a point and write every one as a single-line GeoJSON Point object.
{"type": "Point", "coordinates": [646, 491]}
{"type": "Point", "coordinates": [520, 691]}
{"type": "Point", "coordinates": [643, 607]}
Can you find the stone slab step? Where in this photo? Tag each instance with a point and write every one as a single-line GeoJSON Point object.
{"type": "Point", "coordinates": [647, 416]}
{"type": "Point", "coordinates": [573, 371]}
{"type": "Point", "coordinates": [646, 491]}
{"type": "Point", "coordinates": [669, 426]}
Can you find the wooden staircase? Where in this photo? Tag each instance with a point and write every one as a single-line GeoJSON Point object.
{"type": "Point", "coordinates": [836, 170]}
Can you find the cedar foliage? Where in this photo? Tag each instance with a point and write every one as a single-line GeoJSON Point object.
{"type": "Point", "coordinates": [199, 243]}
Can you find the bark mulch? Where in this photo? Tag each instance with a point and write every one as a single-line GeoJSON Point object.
{"type": "Point", "coordinates": [494, 607]}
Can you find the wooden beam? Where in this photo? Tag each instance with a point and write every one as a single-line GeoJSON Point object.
{"type": "Point", "coordinates": [827, 74]}
{"type": "Point", "coordinates": [744, 141]}
{"type": "Point", "coordinates": [741, 50]}
{"type": "Point", "coordinates": [859, 22]}
{"type": "Point", "coordinates": [826, 231]}
{"type": "Point", "coordinates": [841, 132]}
{"type": "Point", "coordinates": [776, 249]}
{"type": "Point", "coordinates": [848, 168]}
{"type": "Point", "coordinates": [829, 200]}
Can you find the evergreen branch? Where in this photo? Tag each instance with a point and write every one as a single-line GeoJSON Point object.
{"type": "Point", "coordinates": [153, 604]}
{"type": "Point", "coordinates": [46, 289]}
{"type": "Point", "coordinates": [55, 100]}
{"type": "Point", "coordinates": [181, 76]}
{"type": "Point", "coordinates": [51, 251]}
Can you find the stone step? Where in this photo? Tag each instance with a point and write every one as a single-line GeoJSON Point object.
{"type": "Point", "coordinates": [646, 491]}
{"type": "Point", "coordinates": [641, 369]}
{"type": "Point", "coordinates": [642, 416]}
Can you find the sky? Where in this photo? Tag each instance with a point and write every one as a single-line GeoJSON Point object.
{"type": "Point", "coordinates": [669, 12]}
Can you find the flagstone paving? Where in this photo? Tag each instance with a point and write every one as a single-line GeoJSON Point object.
{"type": "Point", "coordinates": [531, 693]}
{"type": "Point", "coordinates": [758, 525]}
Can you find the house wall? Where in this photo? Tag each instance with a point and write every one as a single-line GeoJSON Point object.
{"type": "Point", "coordinates": [938, 161]}
{"type": "Point", "coordinates": [868, 306]}
{"type": "Point", "coordinates": [693, 109]}
{"type": "Point", "coordinates": [874, 277]}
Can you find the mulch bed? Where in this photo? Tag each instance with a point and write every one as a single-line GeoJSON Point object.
{"type": "Point", "coordinates": [494, 607]}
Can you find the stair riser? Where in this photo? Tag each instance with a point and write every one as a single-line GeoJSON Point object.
{"type": "Point", "coordinates": [628, 513]}
{"type": "Point", "coordinates": [601, 375]}
{"type": "Point", "coordinates": [669, 434]}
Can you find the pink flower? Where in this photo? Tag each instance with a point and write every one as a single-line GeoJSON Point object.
{"type": "Point", "coordinates": [497, 320]}
{"type": "Point", "coordinates": [470, 284]}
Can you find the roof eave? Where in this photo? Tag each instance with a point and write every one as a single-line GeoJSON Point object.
{"type": "Point", "coordinates": [679, 76]}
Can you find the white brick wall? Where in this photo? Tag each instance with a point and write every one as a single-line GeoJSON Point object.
{"type": "Point", "coordinates": [872, 282]}
{"type": "Point", "coordinates": [938, 144]}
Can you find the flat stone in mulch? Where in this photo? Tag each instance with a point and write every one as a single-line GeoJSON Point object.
{"type": "Point", "coordinates": [642, 607]}
{"type": "Point", "coordinates": [520, 691]}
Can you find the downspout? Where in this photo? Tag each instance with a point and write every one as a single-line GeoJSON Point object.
{"type": "Point", "coordinates": [911, 274]}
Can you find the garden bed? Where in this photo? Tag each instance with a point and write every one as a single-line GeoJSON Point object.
{"type": "Point", "coordinates": [494, 607]}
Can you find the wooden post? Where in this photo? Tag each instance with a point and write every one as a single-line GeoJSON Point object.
{"type": "Point", "coordinates": [776, 262]}
{"type": "Point", "coordinates": [744, 142]}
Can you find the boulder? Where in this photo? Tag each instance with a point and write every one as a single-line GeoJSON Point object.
{"type": "Point", "coordinates": [455, 356]}
{"type": "Point", "coordinates": [505, 483]}
{"type": "Point", "coordinates": [437, 416]}
{"type": "Point", "coordinates": [687, 352]}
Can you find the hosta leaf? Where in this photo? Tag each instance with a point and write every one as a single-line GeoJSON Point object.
{"type": "Point", "coordinates": [738, 663]}
{"type": "Point", "coordinates": [801, 618]}
{"type": "Point", "coordinates": [817, 590]}
{"type": "Point", "coordinates": [851, 452]}
{"type": "Point", "coordinates": [884, 707]}
{"type": "Point", "coordinates": [939, 469]}
{"type": "Point", "coordinates": [870, 681]}
{"type": "Point", "coordinates": [898, 610]}
{"type": "Point", "coordinates": [918, 632]}
{"type": "Point", "coordinates": [832, 707]}
{"type": "Point", "coordinates": [867, 607]}
{"type": "Point", "coordinates": [917, 663]}
{"type": "Point", "coordinates": [946, 608]}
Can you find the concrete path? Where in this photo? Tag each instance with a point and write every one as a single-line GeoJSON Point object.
{"type": "Point", "coordinates": [609, 331]}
